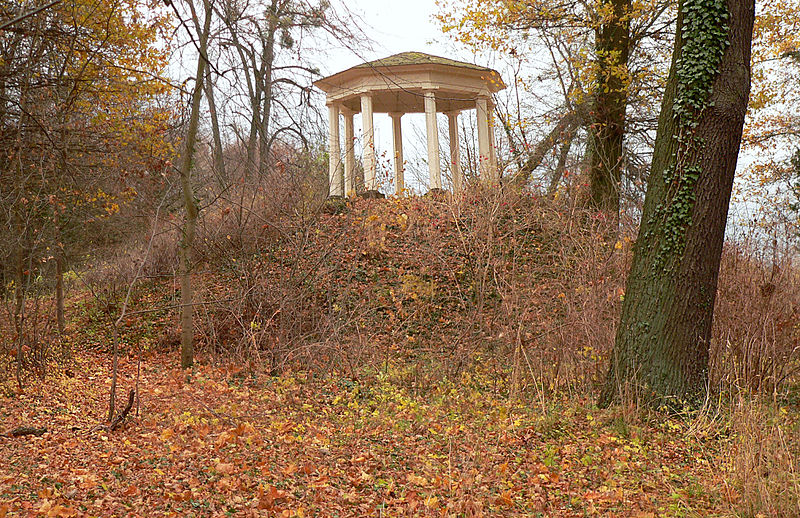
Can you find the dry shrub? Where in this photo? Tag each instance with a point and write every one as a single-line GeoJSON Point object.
{"type": "Point", "coordinates": [755, 342]}
{"type": "Point", "coordinates": [523, 283]}
{"type": "Point", "coordinates": [40, 344]}
{"type": "Point", "coordinates": [547, 276]}
{"type": "Point", "coordinates": [243, 216]}
{"type": "Point", "coordinates": [247, 212]}
{"type": "Point", "coordinates": [533, 284]}
{"type": "Point", "coordinates": [764, 451]}
{"type": "Point", "coordinates": [259, 243]}
{"type": "Point", "coordinates": [489, 275]}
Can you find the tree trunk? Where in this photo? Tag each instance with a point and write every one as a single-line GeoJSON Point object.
{"type": "Point", "coordinates": [266, 109]}
{"type": "Point", "coordinates": [565, 127]}
{"type": "Point", "coordinates": [190, 206]}
{"type": "Point", "coordinates": [60, 290]}
{"type": "Point", "coordinates": [561, 166]}
{"type": "Point", "coordinates": [608, 113]}
{"type": "Point", "coordinates": [219, 159]}
{"type": "Point", "coordinates": [19, 295]}
{"type": "Point", "coordinates": [59, 256]}
{"type": "Point", "coordinates": [662, 343]}
{"type": "Point", "coordinates": [267, 63]}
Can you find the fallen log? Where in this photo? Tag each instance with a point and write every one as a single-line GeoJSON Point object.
{"type": "Point", "coordinates": [22, 431]}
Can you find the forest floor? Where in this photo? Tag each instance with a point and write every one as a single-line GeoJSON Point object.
{"type": "Point", "coordinates": [407, 357]}
{"type": "Point", "coordinates": [227, 442]}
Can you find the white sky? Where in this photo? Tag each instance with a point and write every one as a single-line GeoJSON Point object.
{"type": "Point", "coordinates": [394, 26]}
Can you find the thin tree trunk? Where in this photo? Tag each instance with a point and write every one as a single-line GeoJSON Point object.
{"type": "Point", "coordinates": [59, 256]}
{"type": "Point", "coordinates": [662, 343]}
{"type": "Point", "coordinates": [268, 57]}
{"type": "Point", "coordinates": [19, 297]}
{"type": "Point", "coordinates": [190, 206]}
{"type": "Point", "coordinates": [60, 291]}
{"type": "Point", "coordinates": [608, 112]}
{"type": "Point", "coordinates": [253, 138]}
{"type": "Point", "coordinates": [112, 397]}
{"type": "Point", "coordinates": [219, 161]}
{"type": "Point", "coordinates": [566, 126]}
{"type": "Point", "coordinates": [558, 174]}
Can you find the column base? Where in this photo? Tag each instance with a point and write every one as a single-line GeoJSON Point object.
{"type": "Point", "coordinates": [335, 204]}
{"type": "Point", "coordinates": [436, 193]}
{"type": "Point", "coordinates": [372, 194]}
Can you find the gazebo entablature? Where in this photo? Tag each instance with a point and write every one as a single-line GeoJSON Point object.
{"type": "Point", "coordinates": [411, 82]}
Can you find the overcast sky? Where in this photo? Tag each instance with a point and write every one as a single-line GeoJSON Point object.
{"type": "Point", "coordinates": [394, 26]}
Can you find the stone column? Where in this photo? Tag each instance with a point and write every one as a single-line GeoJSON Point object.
{"type": "Point", "coordinates": [484, 142]}
{"type": "Point", "coordinates": [455, 152]}
{"type": "Point", "coordinates": [397, 144]}
{"type": "Point", "coordinates": [495, 172]}
{"type": "Point", "coordinates": [368, 140]}
{"type": "Point", "coordinates": [349, 153]}
{"type": "Point", "coordinates": [335, 177]}
{"type": "Point", "coordinates": [433, 140]}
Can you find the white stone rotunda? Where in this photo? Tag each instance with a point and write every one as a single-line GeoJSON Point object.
{"type": "Point", "coordinates": [410, 82]}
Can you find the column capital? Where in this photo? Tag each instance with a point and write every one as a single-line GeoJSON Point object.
{"type": "Point", "coordinates": [396, 115]}
{"type": "Point", "coordinates": [488, 100]}
{"type": "Point", "coordinates": [453, 113]}
{"type": "Point", "coordinates": [344, 110]}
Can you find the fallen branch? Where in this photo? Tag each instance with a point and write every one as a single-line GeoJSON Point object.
{"type": "Point", "coordinates": [122, 415]}
{"type": "Point", "coordinates": [566, 128]}
{"type": "Point", "coordinates": [21, 431]}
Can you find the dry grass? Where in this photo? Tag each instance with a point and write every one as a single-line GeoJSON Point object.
{"type": "Point", "coordinates": [526, 287]}
{"type": "Point", "coordinates": [763, 454]}
{"type": "Point", "coordinates": [756, 345]}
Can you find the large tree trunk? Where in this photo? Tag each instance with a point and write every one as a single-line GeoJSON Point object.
{"type": "Point", "coordinates": [190, 206]}
{"type": "Point", "coordinates": [662, 344]}
{"type": "Point", "coordinates": [608, 112]}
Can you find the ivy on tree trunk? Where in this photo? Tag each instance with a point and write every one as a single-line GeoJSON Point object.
{"type": "Point", "coordinates": [662, 344]}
